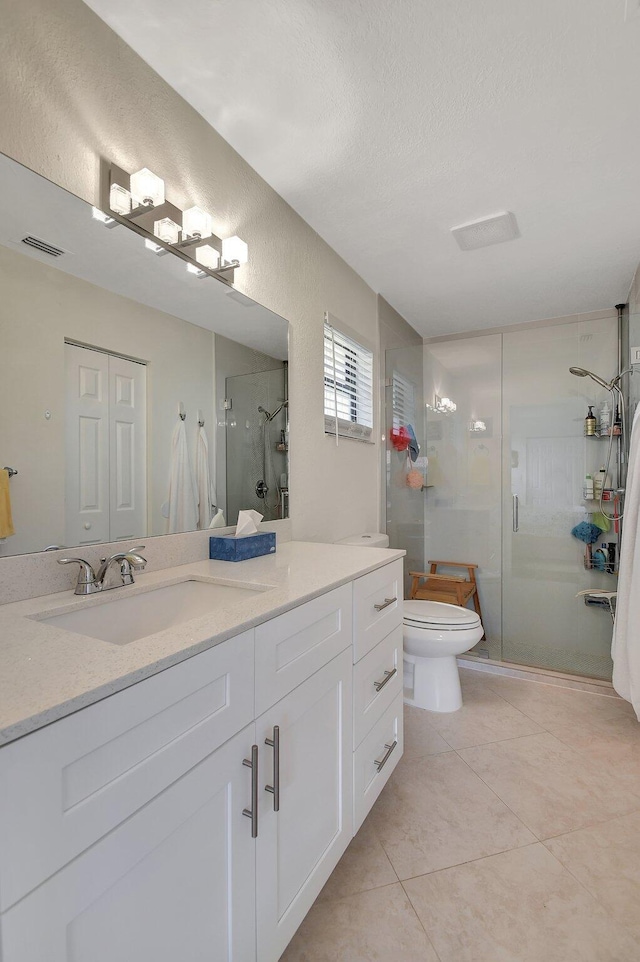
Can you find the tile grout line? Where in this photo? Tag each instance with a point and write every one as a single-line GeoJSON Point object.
{"type": "Point", "coordinates": [420, 922]}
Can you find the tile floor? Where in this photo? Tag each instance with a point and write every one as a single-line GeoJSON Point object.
{"type": "Point", "coordinates": [509, 832]}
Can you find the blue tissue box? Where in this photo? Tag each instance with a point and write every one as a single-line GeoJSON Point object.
{"type": "Point", "coordinates": [228, 548]}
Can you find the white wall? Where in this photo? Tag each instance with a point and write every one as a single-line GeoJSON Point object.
{"type": "Point", "coordinates": [72, 94]}
{"type": "Point", "coordinates": [40, 307]}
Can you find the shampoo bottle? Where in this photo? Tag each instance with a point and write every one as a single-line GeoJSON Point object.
{"type": "Point", "coordinates": [599, 482]}
{"type": "Point", "coordinates": [590, 423]}
{"type": "Point", "coordinates": [587, 491]}
{"type": "Point", "coordinates": [605, 418]}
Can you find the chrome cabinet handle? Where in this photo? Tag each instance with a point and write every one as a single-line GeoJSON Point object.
{"type": "Point", "coordinates": [388, 675]}
{"type": "Point", "coordinates": [380, 763]}
{"type": "Point", "coordinates": [516, 513]}
{"type": "Point", "coordinates": [387, 602]}
{"type": "Point", "coordinates": [275, 788]}
{"type": "Point", "coordinates": [252, 812]}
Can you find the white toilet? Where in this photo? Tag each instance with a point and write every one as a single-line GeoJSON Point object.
{"type": "Point", "coordinates": [434, 633]}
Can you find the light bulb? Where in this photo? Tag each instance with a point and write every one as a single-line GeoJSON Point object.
{"type": "Point", "coordinates": [119, 199]}
{"type": "Point", "coordinates": [235, 249]}
{"type": "Point", "coordinates": [196, 223]}
{"type": "Point", "coordinates": [167, 230]}
{"type": "Point", "coordinates": [153, 247]}
{"type": "Point", "coordinates": [194, 269]}
{"type": "Point", "coordinates": [147, 189]}
{"type": "Point", "coordinates": [208, 256]}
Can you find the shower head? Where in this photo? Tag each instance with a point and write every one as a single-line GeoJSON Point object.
{"type": "Point", "coordinates": [270, 417]}
{"type": "Point", "coordinates": [582, 372]}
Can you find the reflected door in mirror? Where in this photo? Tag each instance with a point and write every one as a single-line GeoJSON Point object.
{"type": "Point", "coordinates": [105, 450]}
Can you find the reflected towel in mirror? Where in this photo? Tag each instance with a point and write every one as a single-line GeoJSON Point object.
{"type": "Point", "coordinates": [183, 493]}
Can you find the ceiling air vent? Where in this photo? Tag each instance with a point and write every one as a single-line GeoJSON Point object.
{"type": "Point", "coordinates": [488, 230]}
{"type": "Point", "coordinates": [42, 246]}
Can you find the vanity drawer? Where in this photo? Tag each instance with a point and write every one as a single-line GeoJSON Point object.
{"type": "Point", "coordinates": [377, 680]}
{"type": "Point", "coordinates": [290, 648]}
{"type": "Point", "coordinates": [375, 759]}
{"type": "Point", "coordinates": [64, 787]}
{"type": "Point", "coordinates": [377, 601]}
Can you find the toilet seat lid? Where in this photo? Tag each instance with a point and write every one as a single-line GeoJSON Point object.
{"type": "Point", "coordinates": [439, 613]}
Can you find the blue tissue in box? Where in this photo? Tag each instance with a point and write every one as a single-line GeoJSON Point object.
{"type": "Point", "coordinates": [228, 548]}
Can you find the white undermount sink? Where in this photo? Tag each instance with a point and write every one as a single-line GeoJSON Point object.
{"type": "Point", "coordinates": [123, 619]}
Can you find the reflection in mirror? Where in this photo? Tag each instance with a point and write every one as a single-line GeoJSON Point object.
{"type": "Point", "coordinates": [103, 345]}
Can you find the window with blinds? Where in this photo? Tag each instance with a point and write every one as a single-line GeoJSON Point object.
{"type": "Point", "coordinates": [348, 386]}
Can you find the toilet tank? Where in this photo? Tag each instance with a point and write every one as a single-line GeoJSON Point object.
{"type": "Point", "coordinates": [367, 540]}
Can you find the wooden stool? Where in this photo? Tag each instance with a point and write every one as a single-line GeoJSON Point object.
{"type": "Point", "coordinates": [450, 589]}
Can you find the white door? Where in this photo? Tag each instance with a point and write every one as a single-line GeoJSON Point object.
{"type": "Point", "coordinates": [299, 846]}
{"type": "Point", "coordinates": [105, 447]}
{"type": "Point", "coordinates": [127, 449]}
{"type": "Point", "coordinates": [87, 446]}
{"type": "Point", "coordinates": [176, 881]}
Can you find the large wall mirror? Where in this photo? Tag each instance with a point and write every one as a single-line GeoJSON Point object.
{"type": "Point", "coordinates": [102, 344]}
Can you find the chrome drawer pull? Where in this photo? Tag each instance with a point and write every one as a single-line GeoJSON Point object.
{"type": "Point", "coordinates": [275, 788]}
{"type": "Point", "coordinates": [388, 675]}
{"type": "Point", "coordinates": [387, 602]}
{"type": "Point", "coordinates": [252, 812]}
{"type": "Point", "coordinates": [380, 763]}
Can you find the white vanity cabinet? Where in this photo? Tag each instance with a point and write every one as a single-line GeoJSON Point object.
{"type": "Point", "coordinates": [197, 814]}
{"type": "Point", "coordinates": [174, 881]}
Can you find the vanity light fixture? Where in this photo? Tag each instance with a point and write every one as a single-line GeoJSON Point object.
{"type": "Point", "coordinates": [100, 215]}
{"type": "Point", "coordinates": [208, 256]}
{"type": "Point", "coordinates": [119, 200]}
{"type": "Point", "coordinates": [167, 230]}
{"type": "Point", "coordinates": [234, 249]}
{"type": "Point", "coordinates": [444, 405]}
{"type": "Point", "coordinates": [147, 189]}
{"type": "Point", "coordinates": [138, 201]}
{"type": "Point", "coordinates": [196, 223]}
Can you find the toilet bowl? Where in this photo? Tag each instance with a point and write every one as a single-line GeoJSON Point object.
{"type": "Point", "coordinates": [434, 633]}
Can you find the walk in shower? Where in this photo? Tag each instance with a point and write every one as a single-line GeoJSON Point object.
{"type": "Point", "coordinates": [501, 421]}
{"type": "Point", "coordinates": [257, 441]}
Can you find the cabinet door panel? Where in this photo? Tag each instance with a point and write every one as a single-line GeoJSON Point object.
{"type": "Point", "coordinates": [64, 787]}
{"type": "Point", "coordinates": [294, 645]}
{"type": "Point", "coordinates": [299, 846]}
{"type": "Point", "coordinates": [176, 881]}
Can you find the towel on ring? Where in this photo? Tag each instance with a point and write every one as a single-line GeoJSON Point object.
{"type": "Point", "coordinates": [6, 520]}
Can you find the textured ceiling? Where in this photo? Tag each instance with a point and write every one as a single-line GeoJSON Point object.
{"type": "Point", "coordinates": [384, 123]}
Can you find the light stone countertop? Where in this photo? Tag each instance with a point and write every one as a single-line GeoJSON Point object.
{"type": "Point", "coordinates": [47, 672]}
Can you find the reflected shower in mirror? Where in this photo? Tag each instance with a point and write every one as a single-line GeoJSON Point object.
{"type": "Point", "coordinates": [104, 346]}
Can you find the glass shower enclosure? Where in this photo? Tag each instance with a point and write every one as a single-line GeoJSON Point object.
{"type": "Point", "coordinates": [507, 459]}
{"type": "Point", "coordinates": [257, 441]}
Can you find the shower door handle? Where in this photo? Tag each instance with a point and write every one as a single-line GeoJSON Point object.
{"type": "Point", "coordinates": [515, 513]}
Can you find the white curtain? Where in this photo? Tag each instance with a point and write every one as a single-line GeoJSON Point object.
{"type": "Point", "coordinates": [183, 493]}
{"type": "Point", "coordinates": [625, 648]}
{"type": "Point", "coordinates": [206, 491]}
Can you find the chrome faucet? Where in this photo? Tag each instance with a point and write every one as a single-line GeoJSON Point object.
{"type": "Point", "coordinates": [90, 581]}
